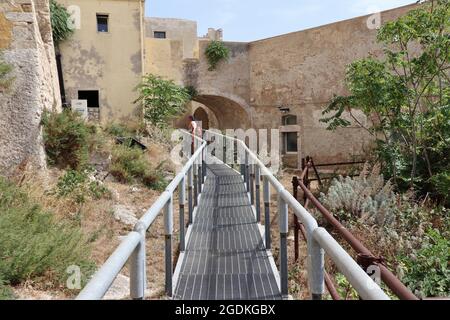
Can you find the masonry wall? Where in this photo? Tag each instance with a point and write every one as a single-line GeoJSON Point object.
{"type": "Point", "coordinates": [181, 30]}
{"type": "Point", "coordinates": [302, 71]}
{"type": "Point", "coordinates": [27, 45]}
{"type": "Point", "coordinates": [111, 62]}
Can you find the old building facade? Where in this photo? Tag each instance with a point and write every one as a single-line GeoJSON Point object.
{"type": "Point", "coordinates": [285, 83]}
{"type": "Point", "coordinates": [279, 83]}
{"type": "Point", "coordinates": [103, 61]}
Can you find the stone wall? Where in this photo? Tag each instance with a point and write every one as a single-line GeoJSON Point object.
{"type": "Point", "coordinates": [299, 72]}
{"type": "Point", "coordinates": [27, 45]}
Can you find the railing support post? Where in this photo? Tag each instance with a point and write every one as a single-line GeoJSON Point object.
{"type": "Point", "coordinates": [138, 277]}
{"type": "Point", "coordinates": [295, 185]}
{"type": "Point", "coordinates": [224, 141]}
{"type": "Point", "coordinates": [190, 202]}
{"type": "Point", "coordinates": [266, 196]}
{"type": "Point", "coordinates": [316, 267]}
{"type": "Point", "coordinates": [247, 172]}
{"type": "Point", "coordinates": [204, 153]}
{"type": "Point", "coordinates": [258, 193]}
{"type": "Point", "coordinates": [182, 201]}
{"type": "Point", "coordinates": [252, 184]}
{"type": "Point", "coordinates": [284, 229]}
{"type": "Point", "coordinates": [168, 225]}
{"type": "Point", "coordinates": [196, 191]}
{"type": "Point", "coordinates": [200, 174]}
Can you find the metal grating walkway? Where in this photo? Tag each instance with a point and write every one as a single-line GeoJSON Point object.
{"type": "Point", "coordinates": [225, 257]}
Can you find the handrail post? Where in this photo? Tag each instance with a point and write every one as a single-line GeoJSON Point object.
{"type": "Point", "coordinates": [190, 189]}
{"type": "Point", "coordinates": [295, 185]}
{"type": "Point", "coordinates": [200, 174]}
{"type": "Point", "coordinates": [316, 267]}
{"type": "Point", "coordinates": [138, 276]}
{"type": "Point", "coordinates": [252, 183]}
{"type": "Point", "coordinates": [258, 193]}
{"type": "Point", "coordinates": [182, 200]}
{"type": "Point", "coordinates": [224, 141]}
{"type": "Point", "coordinates": [196, 191]}
{"type": "Point", "coordinates": [246, 170]}
{"type": "Point", "coordinates": [266, 196]}
{"type": "Point", "coordinates": [284, 229]}
{"type": "Point", "coordinates": [168, 225]}
{"type": "Point", "coordinates": [204, 153]}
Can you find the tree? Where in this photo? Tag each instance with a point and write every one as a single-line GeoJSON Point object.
{"type": "Point", "coordinates": [406, 95]}
{"type": "Point", "coordinates": [161, 99]}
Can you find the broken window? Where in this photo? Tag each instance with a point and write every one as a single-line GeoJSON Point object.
{"type": "Point", "coordinates": [102, 22]}
{"type": "Point", "coordinates": [159, 34]}
{"type": "Point", "coordinates": [91, 96]}
{"type": "Point", "coordinates": [290, 142]}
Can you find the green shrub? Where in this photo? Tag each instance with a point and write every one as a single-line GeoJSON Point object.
{"type": "Point", "coordinates": [215, 52]}
{"type": "Point", "coordinates": [441, 186]}
{"type": "Point", "coordinates": [5, 79]}
{"type": "Point", "coordinates": [60, 18]}
{"type": "Point", "coordinates": [161, 99]}
{"type": "Point", "coordinates": [34, 244]}
{"type": "Point", "coordinates": [66, 139]}
{"type": "Point", "coordinates": [5, 291]}
{"type": "Point", "coordinates": [129, 166]}
{"type": "Point", "coordinates": [427, 271]}
{"type": "Point", "coordinates": [77, 185]}
{"type": "Point", "coordinates": [366, 197]}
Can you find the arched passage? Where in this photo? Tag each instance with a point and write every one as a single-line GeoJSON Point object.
{"type": "Point", "coordinates": [201, 115]}
{"type": "Point", "coordinates": [230, 114]}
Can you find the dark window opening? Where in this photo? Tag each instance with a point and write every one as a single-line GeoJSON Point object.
{"type": "Point", "coordinates": [91, 96]}
{"type": "Point", "coordinates": [289, 120]}
{"type": "Point", "coordinates": [102, 22]}
{"type": "Point", "coordinates": [160, 34]}
{"type": "Point", "coordinates": [290, 142]}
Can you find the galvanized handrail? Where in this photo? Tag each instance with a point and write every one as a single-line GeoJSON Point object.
{"type": "Point", "coordinates": [319, 240]}
{"type": "Point", "coordinates": [132, 247]}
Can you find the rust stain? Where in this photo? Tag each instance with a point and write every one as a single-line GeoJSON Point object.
{"type": "Point", "coordinates": [5, 32]}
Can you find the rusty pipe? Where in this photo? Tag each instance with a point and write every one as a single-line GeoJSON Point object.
{"type": "Point", "coordinates": [386, 275]}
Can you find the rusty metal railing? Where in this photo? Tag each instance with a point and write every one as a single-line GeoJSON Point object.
{"type": "Point", "coordinates": [365, 257]}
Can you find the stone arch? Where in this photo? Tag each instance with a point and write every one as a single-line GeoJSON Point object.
{"type": "Point", "coordinates": [231, 112]}
{"type": "Point", "coordinates": [201, 115]}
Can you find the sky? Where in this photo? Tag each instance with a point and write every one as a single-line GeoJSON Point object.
{"type": "Point", "coordinates": [249, 20]}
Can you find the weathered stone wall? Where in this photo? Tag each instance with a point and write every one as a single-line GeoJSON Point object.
{"type": "Point", "coordinates": [184, 31]}
{"type": "Point", "coordinates": [27, 45]}
{"type": "Point", "coordinates": [112, 62]}
{"type": "Point", "coordinates": [300, 71]}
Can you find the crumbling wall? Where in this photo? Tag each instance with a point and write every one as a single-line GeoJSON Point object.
{"type": "Point", "coordinates": [27, 45]}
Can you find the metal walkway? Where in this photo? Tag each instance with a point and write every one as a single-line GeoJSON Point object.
{"type": "Point", "coordinates": [225, 256]}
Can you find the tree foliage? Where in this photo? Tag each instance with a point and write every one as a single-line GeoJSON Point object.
{"type": "Point", "coordinates": [161, 99]}
{"type": "Point", "coordinates": [60, 18]}
{"type": "Point", "coordinates": [215, 52]}
{"type": "Point", "coordinates": [406, 95]}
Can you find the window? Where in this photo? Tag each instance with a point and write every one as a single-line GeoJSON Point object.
{"type": "Point", "coordinates": [102, 22]}
{"type": "Point", "coordinates": [91, 96]}
{"type": "Point", "coordinates": [159, 34]}
{"type": "Point", "coordinates": [290, 142]}
{"type": "Point", "coordinates": [289, 120]}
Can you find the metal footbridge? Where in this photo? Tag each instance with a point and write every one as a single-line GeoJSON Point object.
{"type": "Point", "coordinates": [225, 250]}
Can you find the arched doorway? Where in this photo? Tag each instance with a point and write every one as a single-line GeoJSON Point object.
{"type": "Point", "coordinates": [201, 115]}
{"type": "Point", "coordinates": [229, 113]}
